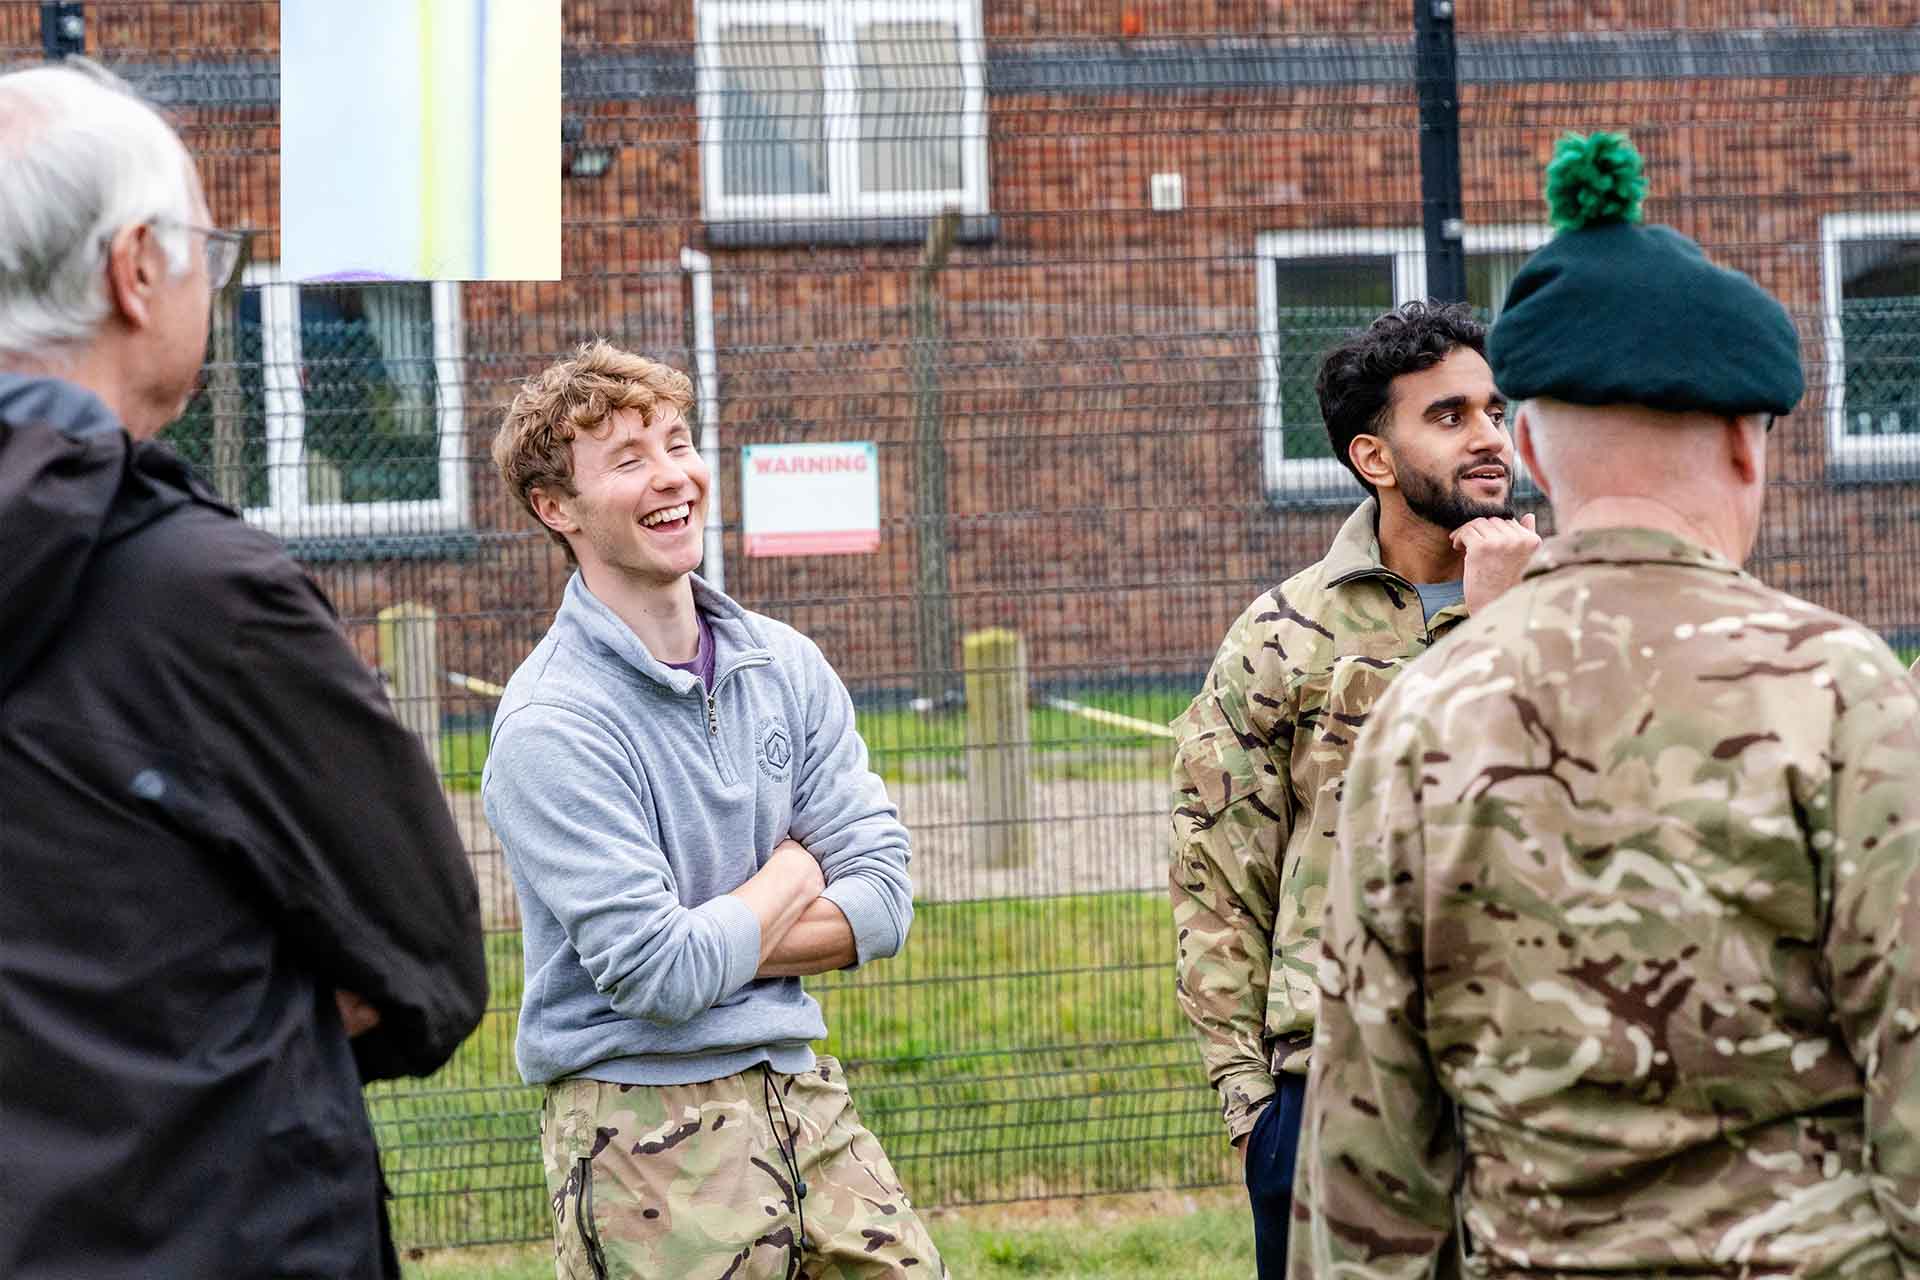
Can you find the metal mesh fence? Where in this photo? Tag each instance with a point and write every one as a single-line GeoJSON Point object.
{"type": "Point", "coordinates": [1090, 396]}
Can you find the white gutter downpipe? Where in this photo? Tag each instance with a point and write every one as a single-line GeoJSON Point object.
{"type": "Point", "coordinates": [706, 385]}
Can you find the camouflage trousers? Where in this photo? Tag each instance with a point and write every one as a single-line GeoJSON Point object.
{"type": "Point", "coordinates": [690, 1182]}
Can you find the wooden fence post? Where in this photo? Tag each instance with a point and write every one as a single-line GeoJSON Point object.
{"type": "Point", "coordinates": [410, 657]}
{"type": "Point", "coordinates": [999, 766]}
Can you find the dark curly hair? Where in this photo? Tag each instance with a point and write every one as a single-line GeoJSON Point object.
{"type": "Point", "coordinates": [1355, 385]}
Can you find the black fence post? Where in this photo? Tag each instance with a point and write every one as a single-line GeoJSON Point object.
{"type": "Point", "coordinates": [63, 29]}
{"type": "Point", "coordinates": [933, 649]}
{"type": "Point", "coordinates": [1436, 74]}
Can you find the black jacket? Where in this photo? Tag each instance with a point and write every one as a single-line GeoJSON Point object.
{"type": "Point", "coordinates": [209, 820]}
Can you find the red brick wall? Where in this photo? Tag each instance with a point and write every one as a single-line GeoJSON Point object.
{"type": "Point", "coordinates": [183, 27]}
{"type": "Point", "coordinates": [1100, 375]}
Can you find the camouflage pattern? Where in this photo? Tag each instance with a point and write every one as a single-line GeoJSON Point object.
{"type": "Point", "coordinates": [1257, 774]}
{"type": "Point", "coordinates": [1618, 971]}
{"type": "Point", "coordinates": [688, 1182]}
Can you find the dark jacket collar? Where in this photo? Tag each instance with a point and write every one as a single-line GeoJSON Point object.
{"type": "Point", "coordinates": [65, 406]}
{"type": "Point", "coordinates": [71, 482]}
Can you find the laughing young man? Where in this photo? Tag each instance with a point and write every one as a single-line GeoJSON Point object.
{"type": "Point", "coordinates": [691, 824]}
{"type": "Point", "coordinates": [1412, 411]}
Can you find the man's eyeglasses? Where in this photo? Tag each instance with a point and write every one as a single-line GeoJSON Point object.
{"type": "Point", "coordinates": [223, 250]}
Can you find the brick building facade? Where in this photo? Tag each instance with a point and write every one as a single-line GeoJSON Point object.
{"type": "Point", "coordinates": [1119, 411]}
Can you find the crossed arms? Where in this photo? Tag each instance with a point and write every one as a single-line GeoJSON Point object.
{"type": "Point", "coordinates": [666, 938]}
{"type": "Point", "coordinates": [801, 933]}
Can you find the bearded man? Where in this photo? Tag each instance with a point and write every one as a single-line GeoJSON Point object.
{"type": "Point", "coordinates": [1411, 409]}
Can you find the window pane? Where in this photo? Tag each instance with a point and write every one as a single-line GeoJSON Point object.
{"type": "Point", "coordinates": [1489, 275]}
{"type": "Point", "coordinates": [911, 96]}
{"type": "Point", "coordinates": [772, 111]}
{"type": "Point", "coordinates": [222, 432]}
{"type": "Point", "coordinates": [1880, 329]}
{"type": "Point", "coordinates": [1322, 300]}
{"type": "Point", "coordinates": [370, 393]}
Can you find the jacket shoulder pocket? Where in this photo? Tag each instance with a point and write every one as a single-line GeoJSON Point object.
{"type": "Point", "coordinates": [1221, 760]}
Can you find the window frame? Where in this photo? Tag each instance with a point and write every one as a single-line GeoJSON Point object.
{"type": "Point", "coordinates": [839, 22]}
{"type": "Point", "coordinates": [288, 513]}
{"type": "Point", "coordinates": [1315, 480]}
{"type": "Point", "coordinates": [1867, 458]}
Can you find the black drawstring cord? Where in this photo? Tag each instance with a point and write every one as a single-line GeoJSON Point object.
{"type": "Point", "coordinates": [789, 1155]}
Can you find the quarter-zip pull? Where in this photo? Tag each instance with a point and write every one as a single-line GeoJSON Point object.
{"type": "Point", "coordinates": [713, 715]}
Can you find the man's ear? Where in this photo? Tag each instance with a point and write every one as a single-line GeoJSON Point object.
{"type": "Point", "coordinates": [136, 266]}
{"type": "Point", "coordinates": [1746, 444]}
{"type": "Point", "coordinates": [1523, 444]}
{"type": "Point", "coordinates": [552, 511]}
{"type": "Point", "coordinates": [1373, 460]}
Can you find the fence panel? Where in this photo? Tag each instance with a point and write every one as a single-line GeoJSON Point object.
{"type": "Point", "coordinates": [1092, 411]}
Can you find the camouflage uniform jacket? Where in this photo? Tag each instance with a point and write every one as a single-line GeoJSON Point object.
{"type": "Point", "coordinates": [1256, 776]}
{"type": "Point", "coordinates": [1618, 972]}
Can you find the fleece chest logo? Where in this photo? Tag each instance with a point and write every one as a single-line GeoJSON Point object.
{"type": "Point", "coordinates": [773, 748]}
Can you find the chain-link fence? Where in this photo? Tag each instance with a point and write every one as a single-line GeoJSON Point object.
{"type": "Point", "coordinates": [1089, 392]}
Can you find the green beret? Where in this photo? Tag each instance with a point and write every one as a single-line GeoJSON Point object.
{"type": "Point", "coordinates": [1613, 312]}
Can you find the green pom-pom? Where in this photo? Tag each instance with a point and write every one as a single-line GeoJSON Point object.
{"type": "Point", "coordinates": [1594, 180]}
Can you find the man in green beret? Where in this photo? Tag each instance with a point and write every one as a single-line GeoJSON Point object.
{"type": "Point", "coordinates": [1617, 973]}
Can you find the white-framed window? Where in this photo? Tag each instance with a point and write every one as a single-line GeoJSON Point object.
{"type": "Point", "coordinates": [1871, 313]}
{"type": "Point", "coordinates": [841, 108]}
{"type": "Point", "coordinates": [1314, 288]}
{"type": "Point", "coordinates": [349, 420]}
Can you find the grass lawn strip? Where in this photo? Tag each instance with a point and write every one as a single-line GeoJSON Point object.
{"type": "Point", "coordinates": [906, 743]}
{"type": "Point", "coordinates": [1177, 1235]}
{"type": "Point", "coordinates": [1015, 1049]}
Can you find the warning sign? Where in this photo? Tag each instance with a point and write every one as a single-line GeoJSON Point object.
{"type": "Point", "coordinates": [810, 499]}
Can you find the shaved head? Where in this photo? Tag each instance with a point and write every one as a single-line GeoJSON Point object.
{"type": "Point", "coordinates": [1694, 473]}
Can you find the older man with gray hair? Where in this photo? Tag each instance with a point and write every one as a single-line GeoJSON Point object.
{"type": "Point", "coordinates": [230, 889]}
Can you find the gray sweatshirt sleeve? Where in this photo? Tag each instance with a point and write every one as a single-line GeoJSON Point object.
{"type": "Point", "coordinates": [842, 815]}
{"type": "Point", "coordinates": [567, 804]}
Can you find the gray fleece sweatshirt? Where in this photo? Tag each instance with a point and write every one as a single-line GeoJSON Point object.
{"type": "Point", "coordinates": [631, 802]}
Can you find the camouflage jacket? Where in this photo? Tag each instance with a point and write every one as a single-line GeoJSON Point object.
{"type": "Point", "coordinates": [1618, 972]}
{"type": "Point", "coordinates": [1256, 777]}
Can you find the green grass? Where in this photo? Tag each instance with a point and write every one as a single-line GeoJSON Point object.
{"type": "Point", "coordinates": [534, 1262]}
{"type": "Point", "coordinates": [1015, 1049]}
{"type": "Point", "coordinates": [910, 744]}
{"type": "Point", "coordinates": [1212, 1243]}
{"type": "Point", "coordinates": [1210, 1238]}
{"type": "Point", "coordinates": [463, 753]}
{"type": "Point", "coordinates": [1028, 1047]}
{"type": "Point", "coordinates": [460, 1148]}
